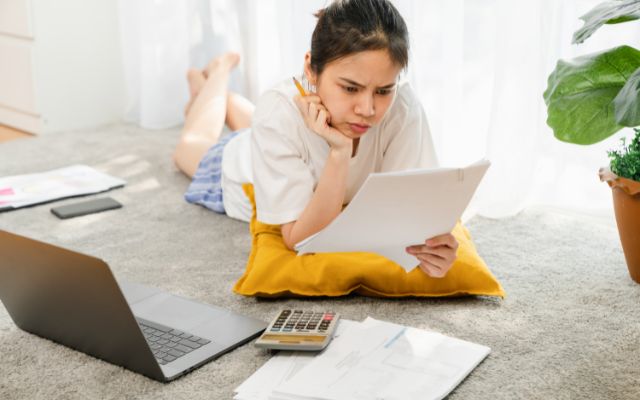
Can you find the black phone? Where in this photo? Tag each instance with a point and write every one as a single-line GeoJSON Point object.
{"type": "Point", "coordinates": [85, 207]}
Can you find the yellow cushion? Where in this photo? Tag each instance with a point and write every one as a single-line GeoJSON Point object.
{"type": "Point", "coordinates": [273, 270]}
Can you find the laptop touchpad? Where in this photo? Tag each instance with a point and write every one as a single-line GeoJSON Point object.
{"type": "Point", "coordinates": [174, 311]}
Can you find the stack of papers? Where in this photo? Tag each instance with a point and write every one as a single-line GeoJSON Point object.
{"type": "Point", "coordinates": [26, 190]}
{"type": "Point", "coordinates": [368, 360]}
{"type": "Point", "coordinates": [393, 210]}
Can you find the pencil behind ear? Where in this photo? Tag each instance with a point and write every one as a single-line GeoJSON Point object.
{"type": "Point", "coordinates": [309, 77]}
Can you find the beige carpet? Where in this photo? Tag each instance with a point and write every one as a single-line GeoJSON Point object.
{"type": "Point", "coordinates": [569, 328]}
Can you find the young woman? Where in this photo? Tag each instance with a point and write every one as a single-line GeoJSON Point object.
{"type": "Point", "coordinates": [307, 156]}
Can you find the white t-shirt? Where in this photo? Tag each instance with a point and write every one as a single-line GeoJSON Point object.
{"type": "Point", "coordinates": [284, 159]}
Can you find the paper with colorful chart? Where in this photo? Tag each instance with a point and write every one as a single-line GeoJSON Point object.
{"type": "Point", "coordinates": [76, 180]}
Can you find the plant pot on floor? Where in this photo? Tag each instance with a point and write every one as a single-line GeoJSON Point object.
{"type": "Point", "coordinates": [626, 203]}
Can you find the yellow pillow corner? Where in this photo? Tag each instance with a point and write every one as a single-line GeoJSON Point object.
{"type": "Point", "coordinates": [275, 271]}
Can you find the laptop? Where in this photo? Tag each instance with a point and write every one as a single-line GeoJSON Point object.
{"type": "Point", "coordinates": [73, 299]}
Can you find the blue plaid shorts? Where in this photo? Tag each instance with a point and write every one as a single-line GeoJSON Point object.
{"type": "Point", "coordinates": [206, 187]}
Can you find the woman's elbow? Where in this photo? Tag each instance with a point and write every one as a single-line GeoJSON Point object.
{"type": "Point", "coordinates": [287, 238]}
{"type": "Point", "coordinates": [290, 246]}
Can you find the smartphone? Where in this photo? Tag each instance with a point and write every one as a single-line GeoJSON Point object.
{"type": "Point", "coordinates": [85, 207]}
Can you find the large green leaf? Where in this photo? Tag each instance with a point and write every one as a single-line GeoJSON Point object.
{"type": "Point", "coordinates": [580, 94]}
{"type": "Point", "coordinates": [627, 102]}
{"type": "Point", "coordinates": [609, 12]}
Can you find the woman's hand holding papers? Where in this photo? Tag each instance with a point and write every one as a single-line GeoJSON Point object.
{"type": "Point", "coordinates": [437, 255]}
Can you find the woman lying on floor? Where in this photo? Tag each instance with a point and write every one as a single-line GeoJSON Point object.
{"type": "Point", "coordinates": [307, 156]}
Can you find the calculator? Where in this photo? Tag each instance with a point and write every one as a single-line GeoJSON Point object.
{"type": "Point", "coordinates": [299, 330]}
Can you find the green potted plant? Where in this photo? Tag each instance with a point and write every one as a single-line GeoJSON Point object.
{"type": "Point", "coordinates": [594, 96]}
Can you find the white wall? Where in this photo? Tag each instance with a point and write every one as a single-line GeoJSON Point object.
{"type": "Point", "coordinates": [78, 63]}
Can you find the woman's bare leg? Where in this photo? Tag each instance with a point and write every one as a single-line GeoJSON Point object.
{"type": "Point", "coordinates": [196, 80]}
{"type": "Point", "coordinates": [239, 109]}
{"type": "Point", "coordinates": [239, 112]}
{"type": "Point", "coordinates": [206, 117]}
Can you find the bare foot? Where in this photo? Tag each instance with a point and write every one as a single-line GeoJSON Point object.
{"type": "Point", "coordinates": [196, 80]}
{"type": "Point", "coordinates": [224, 62]}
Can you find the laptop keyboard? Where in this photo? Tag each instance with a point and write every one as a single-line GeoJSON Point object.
{"type": "Point", "coordinates": [169, 344]}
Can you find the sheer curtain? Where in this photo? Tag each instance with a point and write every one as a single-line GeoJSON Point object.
{"type": "Point", "coordinates": [479, 67]}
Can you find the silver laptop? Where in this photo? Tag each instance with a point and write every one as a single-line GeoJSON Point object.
{"type": "Point", "coordinates": [74, 299]}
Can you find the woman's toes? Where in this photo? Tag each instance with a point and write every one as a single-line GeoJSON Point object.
{"type": "Point", "coordinates": [226, 61]}
{"type": "Point", "coordinates": [232, 59]}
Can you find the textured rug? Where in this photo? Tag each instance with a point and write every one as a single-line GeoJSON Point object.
{"type": "Point", "coordinates": [568, 329]}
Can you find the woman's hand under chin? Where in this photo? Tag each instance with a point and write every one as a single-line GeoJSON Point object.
{"type": "Point", "coordinates": [317, 118]}
{"type": "Point", "coordinates": [436, 255]}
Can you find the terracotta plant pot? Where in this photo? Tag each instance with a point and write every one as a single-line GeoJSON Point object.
{"type": "Point", "coordinates": [626, 203]}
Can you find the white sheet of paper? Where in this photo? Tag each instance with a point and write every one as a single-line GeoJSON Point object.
{"type": "Point", "coordinates": [281, 368]}
{"type": "Point", "coordinates": [393, 210]}
{"type": "Point", "coordinates": [383, 360]}
{"type": "Point", "coordinates": [28, 189]}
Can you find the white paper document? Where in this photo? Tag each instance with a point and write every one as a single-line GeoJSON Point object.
{"type": "Point", "coordinates": [369, 360]}
{"type": "Point", "coordinates": [393, 210]}
{"type": "Point", "coordinates": [29, 189]}
{"type": "Point", "coordinates": [280, 369]}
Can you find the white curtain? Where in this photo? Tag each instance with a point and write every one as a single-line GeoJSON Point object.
{"type": "Point", "coordinates": [479, 66]}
